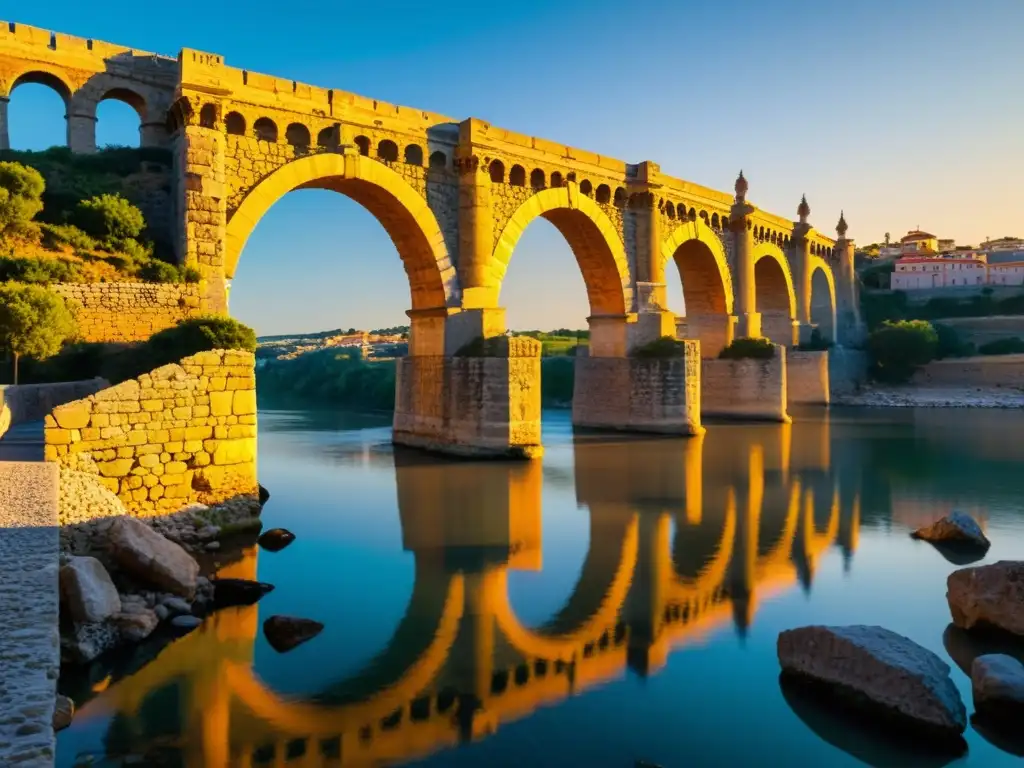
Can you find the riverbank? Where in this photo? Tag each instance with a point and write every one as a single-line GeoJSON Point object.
{"type": "Point", "coordinates": [932, 397]}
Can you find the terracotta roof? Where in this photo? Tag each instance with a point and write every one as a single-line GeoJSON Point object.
{"type": "Point", "coordinates": [916, 235]}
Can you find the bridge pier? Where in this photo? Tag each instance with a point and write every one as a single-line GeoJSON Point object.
{"type": "Point", "coordinates": [5, 136]}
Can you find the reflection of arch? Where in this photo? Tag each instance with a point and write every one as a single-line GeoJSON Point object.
{"type": "Point", "coordinates": [592, 237]}
{"type": "Point", "coordinates": [713, 574]}
{"type": "Point", "coordinates": [563, 637]}
{"type": "Point", "coordinates": [398, 207]}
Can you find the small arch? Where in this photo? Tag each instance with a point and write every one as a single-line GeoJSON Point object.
{"type": "Point", "coordinates": [413, 154]}
{"type": "Point", "coordinates": [297, 135]}
{"type": "Point", "coordinates": [497, 171]}
{"type": "Point", "coordinates": [363, 143]}
{"type": "Point", "coordinates": [234, 123]}
{"type": "Point", "coordinates": [537, 179]}
{"type": "Point", "coordinates": [604, 194]}
{"type": "Point", "coordinates": [438, 160]}
{"type": "Point", "coordinates": [387, 151]}
{"type": "Point", "coordinates": [586, 187]}
{"type": "Point", "coordinates": [670, 210]}
{"type": "Point", "coordinates": [208, 116]}
{"type": "Point", "coordinates": [704, 218]}
{"type": "Point", "coordinates": [265, 129]}
{"type": "Point", "coordinates": [820, 303]}
{"type": "Point", "coordinates": [557, 180]}
{"type": "Point", "coordinates": [517, 176]}
{"type": "Point", "coordinates": [725, 223]}
{"type": "Point", "coordinates": [48, 79]}
{"type": "Point", "coordinates": [715, 224]}
{"type": "Point", "coordinates": [571, 176]}
{"type": "Point", "coordinates": [774, 238]}
{"type": "Point", "coordinates": [693, 214]}
{"type": "Point", "coordinates": [328, 137]}
{"type": "Point", "coordinates": [620, 196]}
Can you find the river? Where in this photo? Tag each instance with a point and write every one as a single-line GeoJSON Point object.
{"type": "Point", "coordinates": [617, 601]}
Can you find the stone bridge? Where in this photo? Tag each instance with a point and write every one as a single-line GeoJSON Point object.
{"type": "Point", "coordinates": [461, 663]}
{"type": "Point", "coordinates": [455, 196]}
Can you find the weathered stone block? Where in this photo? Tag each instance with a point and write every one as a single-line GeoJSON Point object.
{"type": "Point", "coordinates": [244, 402]}
{"type": "Point", "coordinates": [73, 415]}
{"type": "Point", "coordinates": [116, 468]}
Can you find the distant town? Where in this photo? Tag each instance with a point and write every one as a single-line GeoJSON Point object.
{"type": "Point", "coordinates": [923, 261]}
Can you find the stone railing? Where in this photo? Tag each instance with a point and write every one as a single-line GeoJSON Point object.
{"type": "Point", "coordinates": [182, 433]}
{"type": "Point", "coordinates": [129, 311]}
{"type": "Point", "coordinates": [32, 402]}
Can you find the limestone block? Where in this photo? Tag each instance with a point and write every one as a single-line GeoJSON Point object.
{"type": "Point", "coordinates": [244, 402]}
{"type": "Point", "coordinates": [58, 436]}
{"type": "Point", "coordinates": [116, 468]}
{"type": "Point", "coordinates": [221, 403]}
{"type": "Point", "coordinates": [234, 451]}
{"type": "Point", "coordinates": [73, 415]}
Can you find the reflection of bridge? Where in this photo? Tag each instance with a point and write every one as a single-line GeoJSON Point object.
{"type": "Point", "coordinates": [749, 521]}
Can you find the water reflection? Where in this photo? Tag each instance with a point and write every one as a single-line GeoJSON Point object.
{"type": "Point", "coordinates": [686, 536]}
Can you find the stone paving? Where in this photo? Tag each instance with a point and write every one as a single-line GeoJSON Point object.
{"type": "Point", "coordinates": [29, 642]}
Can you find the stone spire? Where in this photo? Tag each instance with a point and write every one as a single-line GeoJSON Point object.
{"type": "Point", "coordinates": [741, 188]}
{"type": "Point", "coordinates": [803, 210]}
{"type": "Point", "coordinates": [841, 227]}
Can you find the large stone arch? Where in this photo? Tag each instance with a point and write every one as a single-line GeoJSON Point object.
{"type": "Point", "coordinates": [51, 77]}
{"type": "Point", "coordinates": [592, 237]}
{"type": "Point", "coordinates": [399, 208]}
{"type": "Point", "coordinates": [775, 295]}
{"type": "Point", "coordinates": [707, 284]}
{"type": "Point", "coordinates": [821, 297]}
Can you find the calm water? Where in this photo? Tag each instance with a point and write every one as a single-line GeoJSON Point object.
{"type": "Point", "coordinates": [617, 601]}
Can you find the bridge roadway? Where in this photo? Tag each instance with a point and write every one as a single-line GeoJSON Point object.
{"type": "Point", "coordinates": [748, 524]}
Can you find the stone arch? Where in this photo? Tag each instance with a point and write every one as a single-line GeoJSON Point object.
{"type": "Point", "coordinates": [265, 129]}
{"type": "Point", "coordinates": [604, 194]}
{"type": "Point", "coordinates": [775, 296]}
{"type": "Point", "coordinates": [401, 210]}
{"type": "Point", "coordinates": [820, 306]}
{"type": "Point", "coordinates": [208, 116]}
{"type": "Point", "coordinates": [496, 170]}
{"type": "Point", "coordinates": [537, 180]}
{"type": "Point", "coordinates": [703, 267]}
{"type": "Point", "coordinates": [557, 180]}
{"type": "Point", "coordinates": [327, 137]}
{"type": "Point", "coordinates": [297, 135]}
{"type": "Point", "coordinates": [517, 176]}
{"type": "Point", "coordinates": [586, 187]}
{"type": "Point", "coordinates": [363, 145]}
{"type": "Point", "coordinates": [438, 160]}
{"type": "Point", "coordinates": [387, 151]}
{"type": "Point", "coordinates": [592, 237]}
{"type": "Point", "coordinates": [55, 82]}
{"type": "Point", "coordinates": [413, 154]}
{"type": "Point", "coordinates": [234, 124]}
{"type": "Point", "coordinates": [620, 196]}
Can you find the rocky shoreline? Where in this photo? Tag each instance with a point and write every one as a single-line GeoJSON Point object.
{"type": "Point", "coordinates": [916, 397]}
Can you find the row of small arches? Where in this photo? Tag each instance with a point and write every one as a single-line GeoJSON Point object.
{"type": "Point", "coordinates": [765, 235]}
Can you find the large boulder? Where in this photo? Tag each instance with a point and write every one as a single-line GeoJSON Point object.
{"type": "Point", "coordinates": [85, 642]}
{"type": "Point", "coordinates": [150, 557]}
{"type": "Point", "coordinates": [286, 632]}
{"type": "Point", "coordinates": [956, 528]}
{"type": "Point", "coordinates": [997, 682]}
{"type": "Point", "coordinates": [988, 596]}
{"type": "Point", "coordinates": [881, 674]}
{"type": "Point", "coordinates": [88, 591]}
{"type": "Point", "coordinates": [276, 539]}
{"type": "Point", "coordinates": [137, 625]}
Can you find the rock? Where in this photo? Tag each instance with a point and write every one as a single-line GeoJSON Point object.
{"type": "Point", "coordinates": [954, 528]}
{"type": "Point", "coordinates": [264, 495]}
{"type": "Point", "coordinates": [186, 622]}
{"type": "Point", "coordinates": [212, 546]}
{"type": "Point", "coordinates": [276, 539]}
{"type": "Point", "coordinates": [162, 612]}
{"type": "Point", "coordinates": [997, 682]}
{"type": "Point", "coordinates": [228, 592]}
{"type": "Point", "coordinates": [988, 596]}
{"type": "Point", "coordinates": [880, 673]}
{"type": "Point", "coordinates": [176, 604]}
{"type": "Point", "coordinates": [208, 532]}
{"type": "Point", "coordinates": [136, 626]}
{"type": "Point", "coordinates": [85, 642]}
{"type": "Point", "coordinates": [88, 591]}
{"type": "Point", "coordinates": [146, 554]}
{"type": "Point", "coordinates": [63, 711]}
{"type": "Point", "coordinates": [286, 632]}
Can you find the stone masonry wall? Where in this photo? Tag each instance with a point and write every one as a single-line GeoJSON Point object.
{"type": "Point", "coordinates": [129, 311]}
{"type": "Point", "coordinates": [983, 371]}
{"type": "Point", "coordinates": [31, 402]}
{"type": "Point", "coordinates": [807, 379]}
{"type": "Point", "coordinates": [182, 433]}
{"type": "Point", "coordinates": [747, 388]}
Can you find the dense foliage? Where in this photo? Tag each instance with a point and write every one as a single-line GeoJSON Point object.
{"type": "Point", "coordinates": [881, 306]}
{"type": "Point", "coordinates": [949, 343]}
{"type": "Point", "coordinates": [662, 347]}
{"type": "Point", "coordinates": [21, 192]}
{"type": "Point", "coordinates": [1008, 346]}
{"type": "Point", "coordinates": [109, 217]}
{"type": "Point", "coordinates": [33, 322]}
{"type": "Point", "coordinates": [897, 349]}
{"type": "Point", "coordinates": [748, 349]}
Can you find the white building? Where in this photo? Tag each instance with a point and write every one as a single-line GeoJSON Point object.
{"type": "Point", "coordinates": [919, 272]}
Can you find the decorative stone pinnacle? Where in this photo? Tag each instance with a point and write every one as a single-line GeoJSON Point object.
{"type": "Point", "coordinates": [804, 210]}
{"type": "Point", "coordinates": [841, 227]}
{"type": "Point", "coordinates": [741, 187]}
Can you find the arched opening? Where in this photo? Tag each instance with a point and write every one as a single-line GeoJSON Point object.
{"type": "Point", "coordinates": [620, 196]}
{"type": "Point", "coordinates": [706, 287]}
{"type": "Point", "coordinates": [265, 129]}
{"type": "Point", "coordinates": [537, 180]}
{"type": "Point", "coordinates": [328, 137]}
{"type": "Point", "coordinates": [497, 171]}
{"type": "Point", "coordinates": [774, 298]}
{"type": "Point", "coordinates": [120, 116]}
{"type": "Point", "coordinates": [438, 160]}
{"type": "Point", "coordinates": [670, 210]}
{"type": "Point", "coordinates": [297, 135]}
{"type": "Point", "coordinates": [208, 116]}
{"type": "Point", "coordinates": [517, 176]}
{"type": "Point", "coordinates": [823, 302]}
{"type": "Point", "coordinates": [414, 154]}
{"type": "Point", "coordinates": [586, 187]}
{"type": "Point", "coordinates": [715, 224]}
{"type": "Point", "coordinates": [234, 124]}
{"type": "Point", "coordinates": [36, 112]}
{"type": "Point", "coordinates": [387, 151]}
{"type": "Point", "coordinates": [604, 194]}
{"type": "Point", "coordinates": [557, 180]}
{"type": "Point", "coordinates": [363, 145]}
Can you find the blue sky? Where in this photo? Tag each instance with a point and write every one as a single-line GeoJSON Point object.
{"type": "Point", "coordinates": [902, 113]}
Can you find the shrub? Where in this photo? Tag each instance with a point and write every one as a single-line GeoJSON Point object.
{"type": "Point", "coordinates": [21, 196]}
{"type": "Point", "coordinates": [23, 269]}
{"type": "Point", "coordinates": [190, 274]}
{"type": "Point", "coordinates": [898, 349]}
{"type": "Point", "coordinates": [748, 349]}
{"type": "Point", "coordinates": [58, 236]}
{"type": "Point", "coordinates": [156, 271]}
{"type": "Point", "coordinates": [109, 216]}
{"type": "Point", "coordinates": [33, 322]}
{"type": "Point", "coordinates": [1008, 346]}
{"type": "Point", "coordinates": [949, 343]}
{"type": "Point", "coordinates": [663, 347]}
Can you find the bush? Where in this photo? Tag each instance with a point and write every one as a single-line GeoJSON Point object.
{"type": "Point", "coordinates": [21, 196]}
{"type": "Point", "coordinates": [33, 322]}
{"type": "Point", "coordinates": [949, 343]}
{"type": "Point", "coordinates": [58, 236]}
{"type": "Point", "coordinates": [748, 349]}
{"type": "Point", "coordinates": [898, 349]}
{"type": "Point", "coordinates": [156, 271]}
{"type": "Point", "coordinates": [1009, 346]}
{"type": "Point", "coordinates": [816, 343]}
{"type": "Point", "coordinates": [661, 348]}
{"type": "Point", "coordinates": [109, 217]}
{"type": "Point", "coordinates": [23, 269]}
{"type": "Point", "coordinates": [190, 274]}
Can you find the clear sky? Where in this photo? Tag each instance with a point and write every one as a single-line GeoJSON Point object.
{"type": "Point", "coordinates": [904, 113]}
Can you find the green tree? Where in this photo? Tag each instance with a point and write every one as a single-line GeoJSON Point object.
{"type": "Point", "coordinates": [898, 349]}
{"type": "Point", "coordinates": [21, 193]}
{"type": "Point", "coordinates": [109, 216]}
{"type": "Point", "coordinates": [33, 322]}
